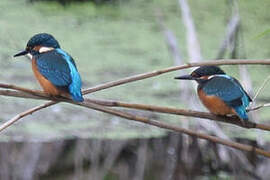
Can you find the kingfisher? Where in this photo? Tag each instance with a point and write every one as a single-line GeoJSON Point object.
{"type": "Point", "coordinates": [54, 68]}
{"type": "Point", "coordinates": [220, 93]}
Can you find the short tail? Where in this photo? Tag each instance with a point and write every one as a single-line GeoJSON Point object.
{"type": "Point", "coordinates": [77, 96]}
{"type": "Point", "coordinates": [241, 112]}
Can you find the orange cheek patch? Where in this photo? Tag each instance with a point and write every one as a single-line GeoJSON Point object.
{"type": "Point", "coordinates": [36, 48]}
{"type": "Point", "coordinates": [205, 77]}
{"type": "Point", "coordinates": [214, 104]}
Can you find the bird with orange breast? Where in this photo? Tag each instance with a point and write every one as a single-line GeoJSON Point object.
{"type": "Point", "coordinates": [220, 93]}
{"type": "Point", "coordinates": [54, 69]}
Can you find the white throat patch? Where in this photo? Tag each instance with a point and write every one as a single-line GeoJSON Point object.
{"type": "Point", "coordinates": [29, 56]}
{"type": "Point", "coordinates": [45, 49]}
{"type": "Point", "coordinates": [210, 77]}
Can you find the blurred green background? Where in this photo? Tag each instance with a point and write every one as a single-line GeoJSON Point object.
{"type": "Point", "coordinates": [115, 40]}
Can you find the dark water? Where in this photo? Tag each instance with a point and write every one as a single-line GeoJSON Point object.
{"type": "Point", "coordinates": [171, 157]}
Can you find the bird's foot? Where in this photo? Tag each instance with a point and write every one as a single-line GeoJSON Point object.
{"type": "Point", "coordinates": [243, 122]}
{"type": "Point", "coordinates": [247, 124]}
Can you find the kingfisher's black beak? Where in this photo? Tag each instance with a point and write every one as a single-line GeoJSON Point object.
{"type": "Point", "coordinates": [21, 53]}
{"type": "Point", "coordinates": [185, 77]}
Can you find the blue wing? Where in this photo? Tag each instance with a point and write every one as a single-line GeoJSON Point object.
{"type": "Point", "coordinates": [230, 91]}
{"type": "Point", "coordinates": [75, 86]}
{"type": "Point", "coordinates": [54, 68]}
{"type": "Point", "coordinates": [60, 69]}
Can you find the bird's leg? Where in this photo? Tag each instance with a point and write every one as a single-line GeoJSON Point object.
{"type": "Point", "coordinates": [246, 123]}
{"type": "Point", "coordinates": [243, 122]}
{"type": "Point", "coordinates": [62, 97]}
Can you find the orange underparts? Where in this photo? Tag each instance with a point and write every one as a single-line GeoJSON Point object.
{"type": "Point", "coordinates": [214, 104]}
{"type": "Point", "coordinates": [47, 86]}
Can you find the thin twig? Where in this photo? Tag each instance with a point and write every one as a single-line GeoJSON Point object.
{"type": "Point", "coordinates": [258, 107]}
{"type": "Point", "coordinates": [175, 111]}
{"type": "Point", "coordinates": [189, 113]}
{"type": "Point", "coordinates": [155, 73]}
{"type": "Point", "coordinates": [155, 123]}
{"type": "Point", "coordinates": [145, 75]}
{"type": "Point", "coordinates": [159, 72]}
{"type": "Point", "coordinates": [171, 69]}
{"type": "Point", "coordinates": [10, 86]}
{"type": "Point", "coordinates": [174, 128]}
{"type": "Point", "coordinates": [261, 88]}
{"type": "Point", "coordinates": [137, 118]}
{"type": "Point", "coordinates": [25, 113]}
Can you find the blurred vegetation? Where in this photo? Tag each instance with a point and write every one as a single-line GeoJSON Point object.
{"type": "Point", "coordinates": [67, 2]}
{"type": "Point", "coordinates": [113, 41]}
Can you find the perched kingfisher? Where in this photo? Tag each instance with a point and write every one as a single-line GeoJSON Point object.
{"type": "Point", "coordinates": [54, 69]}
{"type": "Point", "coordinates": [220, 93]}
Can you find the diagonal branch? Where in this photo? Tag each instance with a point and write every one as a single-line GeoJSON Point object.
{"type": "Point", "coordinates": [39, 95]}
{"type": "Point", "coordinates": [160, 109]}
{"type": "Point", "coordinates": [152, 74]}
{"type": "Point", "coordinates": [189, 113]}
{"type": "Point", "coordinates": [171, 69]}
{"type": "Point", "coordinates": [23, 114]}
{"type": "Point", "coordinates": [137, 118]}
{"type": "Point", "coordinates": [32, 94]}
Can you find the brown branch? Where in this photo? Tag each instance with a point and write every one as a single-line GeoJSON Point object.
{"type": "Point", "coordinates": [189, 113]}
{"type": "Point", "coordinates": [153, 73]}
{"type": "Point", "coordinates": [39, 95]}
{"type": "Point", "coordinates": [20, 94]}
{"type": "Point", "coordinates": [23, 114]}
{"type": "Point", "coordinates": [146, 75]}
{"type": "Point", "coordinates": [175, 111]}
{"type": "Point", "coordinates": [35, 92]}
{"type": "Point", "coordinates": [155, 123]}
{"type": "Point", "coordinates": [174, 128]}
{"type": "Point", "coordinates": [162, 125]}
{"type": "Point", "coordinates": [171, 69]}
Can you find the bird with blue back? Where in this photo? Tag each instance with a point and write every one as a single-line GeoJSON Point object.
{"type": "Point", "coordinates": [220, 93]}
{"type": "Point", "coordinates": [54, 68]}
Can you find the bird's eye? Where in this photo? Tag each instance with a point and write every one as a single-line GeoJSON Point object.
{"type": "Point", "coordinates": [28, 48]}
{"type": "Point", "coordinates": [193, 74]}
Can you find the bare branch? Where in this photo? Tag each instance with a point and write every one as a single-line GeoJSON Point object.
{"type": "Point", "coordinates": [261, 88]}
{"type": "Point", "coordinates": [23, 114]}
{"type": "Point", "coordinates": [39, 95]}
{"type": "Point", "coordinates": [171, 69]}
{"type": "Point", "coordinates": [189, 113]}
{"type": "Point", "coordinates": [258, 107]}
{"type": "Point", "coordinates": [27, 93]}
{"type": "Point", "coordinates": [157, 73]}
{"type": "Point", "coordinates": [175, 111]}
{"type": "Point", "coordinates": [10, 86]}
{"type": "Point", "coordinates": [137, 118]}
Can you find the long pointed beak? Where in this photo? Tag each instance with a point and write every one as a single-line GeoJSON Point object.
{"type": "Point", "coordinates": [185, 77]}
{"type": "Point", "coordinates": [21, 53]}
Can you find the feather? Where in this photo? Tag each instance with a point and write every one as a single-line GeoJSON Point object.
{"type": "Point", "coordinates": [230, 91]}
{"type": "Point", "coordinates": [60, 69]}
